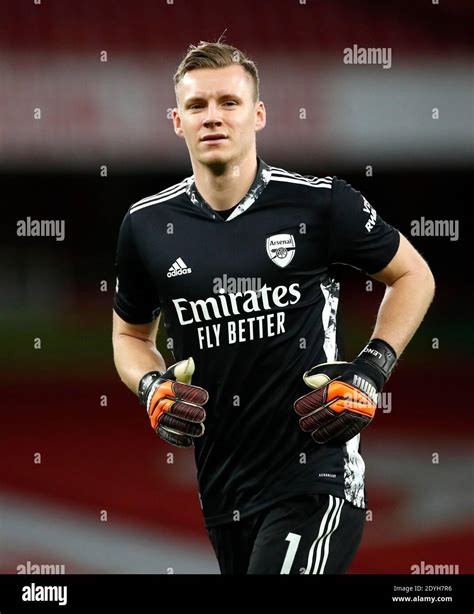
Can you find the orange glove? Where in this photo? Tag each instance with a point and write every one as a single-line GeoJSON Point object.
{"type": "Point", "coordinates": [174, 406]}
{"type": "Point", "coordinates": [344, 398]}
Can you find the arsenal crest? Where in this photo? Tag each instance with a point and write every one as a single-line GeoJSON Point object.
{"type": "Point", "coordinates": [281, 249]}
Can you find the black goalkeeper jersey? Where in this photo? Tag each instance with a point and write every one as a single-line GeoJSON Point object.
{"type": "Point", "coordinates": [252, 300]}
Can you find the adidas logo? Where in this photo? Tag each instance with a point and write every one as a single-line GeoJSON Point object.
{"type": "Point", "coordinates": [178, 268]}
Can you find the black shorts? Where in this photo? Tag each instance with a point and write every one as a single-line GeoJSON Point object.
{"type": "Point", "coordinates": [304, 534]}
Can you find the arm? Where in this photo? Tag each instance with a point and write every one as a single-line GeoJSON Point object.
{"type": "Point", "coordinates": [135, 350]}
{"type": "Point", "coordinates": [163, 392]}
{"type": "Point", "coordinates": [135, 355]}
{"type": "Point", "coordinates": [345, 395]}
{"type": "Point", "coordinates": [409, 291]}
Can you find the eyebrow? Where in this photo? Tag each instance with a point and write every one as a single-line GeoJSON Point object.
{"type": "Point", "coordinates": [200, 98]}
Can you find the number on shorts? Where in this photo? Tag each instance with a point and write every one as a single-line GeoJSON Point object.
{"type": "Point", "coordinates": [294, 540]}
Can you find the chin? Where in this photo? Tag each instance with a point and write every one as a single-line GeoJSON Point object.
{"type": "Point", "coordinates": [215, 158]}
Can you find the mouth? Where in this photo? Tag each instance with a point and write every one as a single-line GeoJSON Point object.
{"type": "Point", "coordinates": [214, 138]}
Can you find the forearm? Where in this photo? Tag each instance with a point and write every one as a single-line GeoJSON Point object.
{"type": "Point", "coordinates": [134, 357]}
{"type": "Point", "coordinates": [403, 308]}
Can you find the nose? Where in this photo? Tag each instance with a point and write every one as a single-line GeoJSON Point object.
{"type": "Point", "coordinates": [213, 117]}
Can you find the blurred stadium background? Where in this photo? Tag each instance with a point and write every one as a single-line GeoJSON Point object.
{"type": "Point", "coordinates": [105, 140]}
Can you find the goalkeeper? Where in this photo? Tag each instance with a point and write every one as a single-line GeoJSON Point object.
{"type": "Point", "coordinates": [259, 389]}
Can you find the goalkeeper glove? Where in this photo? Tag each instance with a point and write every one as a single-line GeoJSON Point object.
{"type": "Point", "coordinates": [344, 398]}
{"type": "Point", "coordinates": [174, 406]}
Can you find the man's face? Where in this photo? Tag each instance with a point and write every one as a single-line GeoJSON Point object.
{"type": "Point", "coordinates": [220, 102]}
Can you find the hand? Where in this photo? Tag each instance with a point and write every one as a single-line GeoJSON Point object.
{"type": "Point", "coordinates": [174, 406]}
{"type": "Point", "coordinates": [344, 396]}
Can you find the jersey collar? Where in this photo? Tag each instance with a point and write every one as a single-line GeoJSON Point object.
{"type": "Point", "coordinates": [259, 184]}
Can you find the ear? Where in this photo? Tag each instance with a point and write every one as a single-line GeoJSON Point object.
{"type": "Point", "coordinates": [177, 123]}
{"type": "Point", "coordinates": [260, 116]}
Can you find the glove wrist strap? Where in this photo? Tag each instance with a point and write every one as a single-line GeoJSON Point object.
{"type": "Point", "coordinates": [146, 384]}
{"type": "Point", "coordinates": [379, 358]}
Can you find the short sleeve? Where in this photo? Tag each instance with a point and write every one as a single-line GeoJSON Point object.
{"type": "Point", "coordinates": [135, 299]}
{"type": "Point", "coordinates": [358, 236]}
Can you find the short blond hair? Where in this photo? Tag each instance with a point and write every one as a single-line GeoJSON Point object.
{"type": "Point", "coordinates": [216, 55]}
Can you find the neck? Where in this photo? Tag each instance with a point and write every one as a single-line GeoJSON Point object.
{"type": "Point", "coordinates": [224, 186]}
